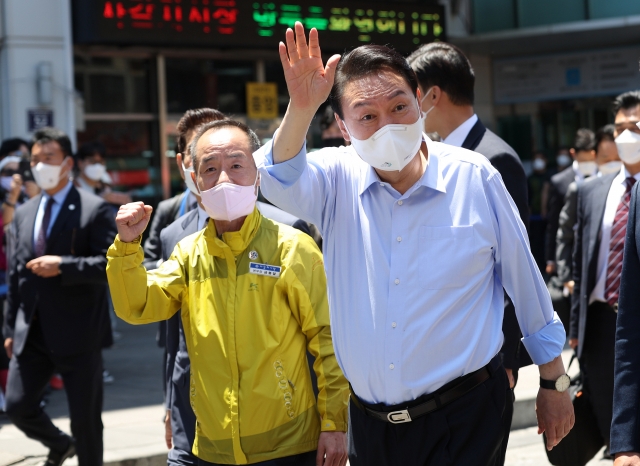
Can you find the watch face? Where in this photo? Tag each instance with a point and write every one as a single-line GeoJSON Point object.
{"type": "Point", "coordinates": [563, 382]}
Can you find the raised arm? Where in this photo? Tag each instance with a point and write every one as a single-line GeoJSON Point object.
{"type": "Point", "coordinates": [141, 297]}
{"type": "Point", "coordinates": [309, 84]}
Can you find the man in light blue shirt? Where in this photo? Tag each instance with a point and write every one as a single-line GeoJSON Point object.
{"type": "Point", "coordinates": [419, 240]}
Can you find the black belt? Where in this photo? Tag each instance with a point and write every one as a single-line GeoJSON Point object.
{"type": "Point", "coordinates": [434, 401]}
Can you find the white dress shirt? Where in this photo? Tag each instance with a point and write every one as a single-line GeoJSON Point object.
{"type": "Point", "coordinates": [58, 199]}
{"type": "Point", "coordinates": [458, 135]}
{"type": "Point", "coordinates": [614, 197]}
{"type": "Point", "coordinates": [202, 217]}
{"type": "Point", "coordinates": [415, 280]}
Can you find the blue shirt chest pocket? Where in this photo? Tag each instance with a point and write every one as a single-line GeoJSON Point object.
{"type": "Point", "coordinates": [449, 255]}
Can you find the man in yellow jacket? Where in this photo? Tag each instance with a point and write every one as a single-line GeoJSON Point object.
{"type": "Point", "coordinates": [253, 300]}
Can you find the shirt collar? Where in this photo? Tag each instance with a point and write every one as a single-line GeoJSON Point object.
{"type": "Point", "coordinates": [203, 217]}
{"type": "Point", "coordinates": [60, 196]}
{"type": "Point", "coordinates": [431, 178]}
{"type": "Point", "coordinates": [458, 135]}
{"type": "Point", "coordinates": [624, 174]}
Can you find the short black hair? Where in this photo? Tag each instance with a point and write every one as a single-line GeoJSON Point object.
{"type": "Point", "coordinates": [606, 133]}
{"type": "Point", "coordinates": [444, 65]}
{"type": "Point", "coordinates": [254, 141]}
{"type": "Point", "coordinates": [89, 148]}
{"type": "Point", "coordinates": [585, 140]}
{"type": "Point", "coordinates": [11, 145]}
{"type": "Point", "coordinates": [364, 61]}
{"type": "Point", "coordinates": [327, 118]}
{"type": "Point", "coordinates": [626, 101]}
{"type": "Point", "coordinates": [191, 120]}
{"type": "Point", "coordinates": [45, 135]}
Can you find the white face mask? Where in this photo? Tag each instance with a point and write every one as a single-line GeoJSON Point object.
{"type": "Point", "coordinates": [628, 144]}
{"type": "Point", "coordinates": [95, 171]}
{"type": "Point", "coordinates": [228, 201]}
{"type": "Point", "coordinates": [46, 176]}
{"type": "Point", "coordinates": [392, 147]}
{"type": "Point", "coordinates": [426, 94]}
{"type": "Point", "coordinates": [610, 167]}
{"type": "Point", "coordinates": [5, 182]}
{"type": "Point", "coordinates": [189, 181]}
{"type": "Point", "coordinates": [539, 164]}
{"type": "Point", "coordinates": [587, 168]}
{"type": "Point", "coordinates": [563, 160]}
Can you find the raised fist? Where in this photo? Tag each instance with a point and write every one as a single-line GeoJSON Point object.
{"type": "Point", "coordinates": [132, 219]}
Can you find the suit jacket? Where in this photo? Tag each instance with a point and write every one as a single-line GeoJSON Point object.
{"type": "Point", "coordinates": [506, 161]}
{"type": "Point", "coordinates": [566, 235]}
{"type": "Point", "coordinates": [558, 186]}
{"type": "Point", "coordinates": [592, 199]}
{"type": "Point", "coordinates": [165, 214]}
{"type": "Point", "coordinates": [72, 307]}
{"type": "Point", "coordinates": [178, 366]}
{"type": "Point", "coordinates": [625, 427]}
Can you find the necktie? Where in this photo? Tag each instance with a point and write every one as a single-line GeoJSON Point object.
{"type": "Point", "coordinates": [41, 241]}
{"type": "Point", "coordinates": [616, 245]}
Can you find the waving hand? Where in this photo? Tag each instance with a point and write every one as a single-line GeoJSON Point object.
{"type": "Point", "coordinates": [309, 83]}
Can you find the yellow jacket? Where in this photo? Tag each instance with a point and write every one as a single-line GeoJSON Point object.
{"type": "Point", "coordinates": [246, 333]}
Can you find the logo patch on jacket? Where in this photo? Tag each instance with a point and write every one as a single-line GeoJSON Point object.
{"type": "Point", "coordinates": [264, 269]}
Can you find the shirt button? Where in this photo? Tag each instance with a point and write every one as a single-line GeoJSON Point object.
{"type": "Point", "coordinates": [399, 202]}
{"type": "Point", "coordinates": [399, 238]}
{"type": "Point", "coordinates": [394, 325]}
{"type": "Point", "coordinates": [397, 281]}
{"type": "Point", "coordinates": [382, 184]}
{"type": "Point", "coordinates": [391, 366]}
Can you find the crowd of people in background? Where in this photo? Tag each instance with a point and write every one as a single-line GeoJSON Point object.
{"type": "Point", "coordinates": [555, 239]}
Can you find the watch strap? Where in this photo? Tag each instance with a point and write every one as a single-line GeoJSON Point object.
{"type": "Point", "coordinates": [548, 384]}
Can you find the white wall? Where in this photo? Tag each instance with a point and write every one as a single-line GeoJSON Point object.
{"type": "Point", "coordinates": [31, 32]}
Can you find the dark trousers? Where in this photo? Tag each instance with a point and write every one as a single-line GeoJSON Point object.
{"type": "Point", "coordinates": [29, 374]}
{"type": "Point", "coordinates": [468, 431]}
{"type": "Point", "coordinates": [507, 418]}
{"type": "Point", "coordinates": [183, 420]}
{"type": "Point", "coordinates": [304, 459]}
{"type": "Point", "coordinates": [597, 361]}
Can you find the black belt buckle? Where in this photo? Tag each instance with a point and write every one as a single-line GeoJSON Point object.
{"type": "Point", "coordinates": [399, 417]}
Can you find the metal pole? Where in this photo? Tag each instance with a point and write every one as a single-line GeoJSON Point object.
{"type": "Point", "coordinates": [261, 75]}
{"type": "Point", "coordinates": [165, 171]}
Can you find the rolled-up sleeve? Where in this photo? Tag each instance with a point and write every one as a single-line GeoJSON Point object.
{"type": "Point", "coordinates": [301, 186]}
{"type": "Point", "coordinates": [542, 330]}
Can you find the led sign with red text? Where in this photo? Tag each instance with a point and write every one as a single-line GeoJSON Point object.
{"type": "Point", "coordinates": [242, 23]}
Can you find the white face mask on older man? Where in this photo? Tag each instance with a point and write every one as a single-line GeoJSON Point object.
{"type": "Point", "coordinates": [228, 201]}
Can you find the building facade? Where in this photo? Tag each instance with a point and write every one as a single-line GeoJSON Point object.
{"type": "Point", "coordinates": [124, 71]}
{"type": "Point", "coordinates": [548, 67]}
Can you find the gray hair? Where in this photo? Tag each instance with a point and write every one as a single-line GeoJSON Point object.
{"type": "Point", "coordinates": [254, 141]}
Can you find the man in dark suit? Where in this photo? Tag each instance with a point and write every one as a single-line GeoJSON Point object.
{"type": "Point", "coordinates": [584, 165]}
{"type": "Point", "coordinates": [625, 426]}
{"type": "Point", "coordinates": [56, 316]}
{"type": "Point", "coordinates": [603, 210]}
{"type": "Point", "coordinates": [446, 80]}
{"type": "Point", "coordinates": [182, 418]}
{"type": "Point", "coordinates": [608, 162]}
